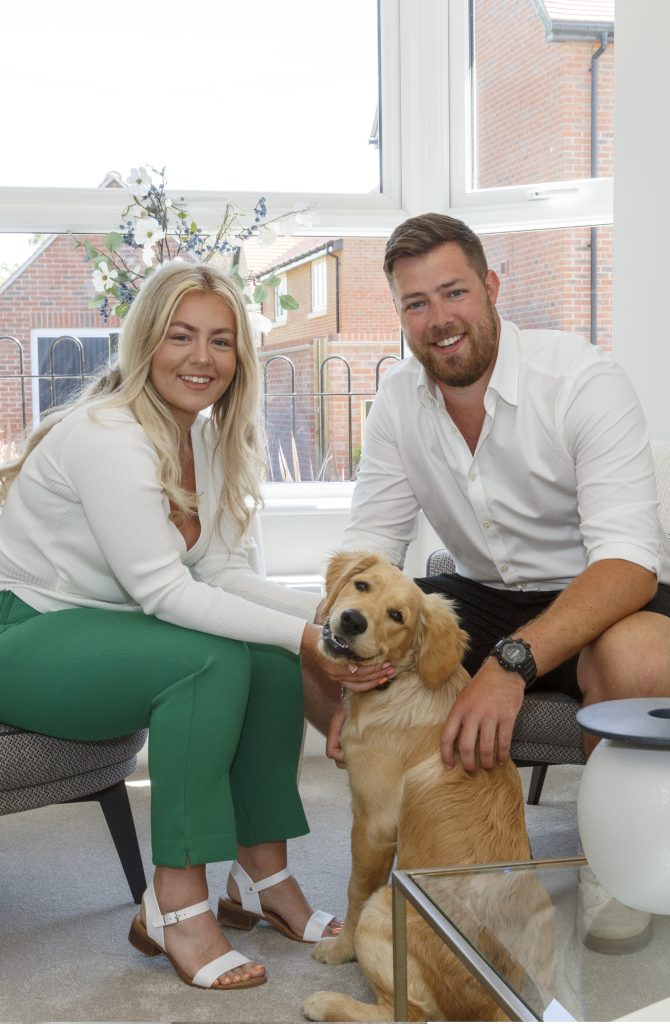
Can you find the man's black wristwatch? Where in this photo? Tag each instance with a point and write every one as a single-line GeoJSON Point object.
{"type": "Point", "coordinates": [516, 656]}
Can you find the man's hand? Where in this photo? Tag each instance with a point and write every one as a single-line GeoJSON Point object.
{"type": "Point", "coordinates": [481, 722]}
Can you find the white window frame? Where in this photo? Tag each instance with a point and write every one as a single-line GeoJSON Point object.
{"type": "Point", "coordinates": [533, 205]}
{"type": "Point", "coordinates": [411, 41]}
{"type": "Point", "coordinates": [417, 173]}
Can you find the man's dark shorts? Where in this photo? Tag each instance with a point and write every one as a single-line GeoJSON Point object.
{"type": "Point", "coordinates": [488, 614]}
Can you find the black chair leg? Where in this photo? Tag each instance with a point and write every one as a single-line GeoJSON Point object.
{"type": "Point", "coordinates": [118, 815]}
{"type": "Point", "coordinates": [536, 783]}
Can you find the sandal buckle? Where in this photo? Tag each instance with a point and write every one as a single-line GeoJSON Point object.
{"type": "Point", "coordinates": [174, 917]}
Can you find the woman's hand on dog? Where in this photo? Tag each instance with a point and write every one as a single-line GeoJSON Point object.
{"type": "Point", "coordinates": [354, 675]}
{"type": "Point", "coordinates": [481, 721]}
{"type": "Point", "coordinates": [334, 737]}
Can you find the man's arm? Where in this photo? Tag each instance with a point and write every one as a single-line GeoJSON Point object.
{"type": "Point", "coordinates": [486, 710]}
{"type": "Point", "coordinates": [384, 509]}
{"type": "Point", "coordinates": [603, 428]}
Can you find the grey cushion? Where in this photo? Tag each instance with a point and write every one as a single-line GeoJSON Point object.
{"type": "Point", "coordinates": [439, 562]}
{"type": "Point", "coordinates": [36, 770]}
{"type": "Point", "coordinates": [546, 730]}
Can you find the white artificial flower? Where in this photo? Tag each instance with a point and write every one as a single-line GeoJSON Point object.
{"type": "Point", "coordinates": [306, 218]}
{"type": "Point", "coordinates": [104, 277]}
{"type": "Point", "coordinates": [139, 180]}
{"type": "Point", "coordinates": [148, 231]}
{"type": "Point", "coordinates": [267, 234]}
{"type": "Point", "coordinates": [259, 324]}
{"type": "Point", "coordinates": [148, 256]}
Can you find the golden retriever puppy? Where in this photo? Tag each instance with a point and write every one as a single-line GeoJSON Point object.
{"type": "Point", "coordinates": [407, 804]}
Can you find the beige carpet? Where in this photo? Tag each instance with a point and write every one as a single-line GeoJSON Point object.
{"type": "Point", "coordinates": [65, 912]}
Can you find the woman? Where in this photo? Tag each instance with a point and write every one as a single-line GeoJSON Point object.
{"type": "Point", "coordinates": [126, 601]}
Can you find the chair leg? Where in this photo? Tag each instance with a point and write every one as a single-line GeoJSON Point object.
{"type": "Point", "coordinates": [536, 783]}
{"type": "Point", "coordinates": [118, 815]}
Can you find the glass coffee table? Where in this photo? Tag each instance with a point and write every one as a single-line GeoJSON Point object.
{"type": "Point", "coordinates": [520, 930]}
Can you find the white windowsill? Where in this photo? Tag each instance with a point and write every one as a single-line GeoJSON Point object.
{"type": "Point", "coordinates": [310, 496]}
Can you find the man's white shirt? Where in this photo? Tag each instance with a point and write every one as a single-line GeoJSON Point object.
{"type": "Point", "coordinates": [562, 475]}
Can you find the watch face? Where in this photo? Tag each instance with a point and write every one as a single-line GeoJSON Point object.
{"type": "Point", "coordinates": [514, 653]}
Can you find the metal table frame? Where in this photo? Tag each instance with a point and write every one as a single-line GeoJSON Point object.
{"type": "Point", "coordinates": [405, 890]}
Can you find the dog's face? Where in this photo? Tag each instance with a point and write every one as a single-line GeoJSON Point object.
{"type": "Point", "coordinates": [375, 613]}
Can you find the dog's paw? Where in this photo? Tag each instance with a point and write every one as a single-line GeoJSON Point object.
{"type": "Point", "coordinates": [319, 1005]}
{"type": "Point", "coordinates": [338, 950]}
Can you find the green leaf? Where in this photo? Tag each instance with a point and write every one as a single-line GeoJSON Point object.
{"type": "Point", "coordinates": [114, 241]}
{"type": "Point", "coordinates": [260, 293]}
{"type": "Point", "coordinates": [288, 302]}
{"type": "Point", "coordinates": [121, 309]}
{"type": "Point", "coordinates": [91, 251]}
{"type": "Point", "coordinates": [96, 302]}
{"type": "Point", "coordinates": [238, 279]}
{"type": "Point", "coordinates": [246, 298]}
{"type": "Point", "coordinates": [272, 282]}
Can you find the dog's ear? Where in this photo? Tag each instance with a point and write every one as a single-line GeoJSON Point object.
{"type": "Point", "coordinates": [444, 642]}
{"type": "Point", "coordinates": [342, 567]}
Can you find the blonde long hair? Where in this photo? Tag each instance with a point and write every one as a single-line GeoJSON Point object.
{"type": "Point", "coordinates": [235, 418]}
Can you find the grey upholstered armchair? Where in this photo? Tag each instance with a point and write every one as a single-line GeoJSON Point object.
{"type": "Point", "coordinates": [37, 770]}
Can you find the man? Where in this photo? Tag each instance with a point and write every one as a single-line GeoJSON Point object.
{"type": "Point", "coordinates": [528, 453]}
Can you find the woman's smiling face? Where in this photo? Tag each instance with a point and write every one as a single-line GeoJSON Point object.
{"type": "Point", "coordinates": [197, 359]}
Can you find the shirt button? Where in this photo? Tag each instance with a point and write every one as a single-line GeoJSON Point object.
{"type": "Point", "coordinates": [504, 568]}
{"type": "Point", "coordinates": [486, 524]}
{"type": "Point", "coordinates": [473, 475]}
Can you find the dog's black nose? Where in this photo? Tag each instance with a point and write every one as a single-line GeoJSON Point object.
{"type": "Point", "coordinates": [352, 622]}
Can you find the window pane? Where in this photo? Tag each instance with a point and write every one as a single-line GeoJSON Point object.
{"type": "Point", "coordinates": [548, 280]}
{"type": "Point", "coordinates": [320, 373]}
{"type": "Point", "coordinates": [540, 93]}
{"type": "Point", "coordinates": [267, 97]}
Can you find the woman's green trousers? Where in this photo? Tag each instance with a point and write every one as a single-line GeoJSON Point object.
{"type": "Point", "coordinates": [225, 718]}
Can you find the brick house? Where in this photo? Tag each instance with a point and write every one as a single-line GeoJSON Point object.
{"type": "Point", "coordinates": [331, 352]}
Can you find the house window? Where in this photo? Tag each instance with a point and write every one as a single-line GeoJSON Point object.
{"type": "Point", "coordinates": [531, 112]}
{"type": "Point", "coordinates": [319, 286]}
{"type": "Point", "coordinates": [64, 360]}
{"type": "Point", "coordinates": [278, 51]}
{"type": "Point", "coordinates": [281, 314]}
{"type": "Point", "coordinates": [542, 91]}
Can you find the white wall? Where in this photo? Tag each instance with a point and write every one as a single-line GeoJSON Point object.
{"type": "Point", "coordinates": [300, 532]}
{"type": "Point", "coordinates": [642, 204]}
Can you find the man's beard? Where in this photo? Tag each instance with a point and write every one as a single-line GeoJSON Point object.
{"type": "Point", "coordinates": [461, 370]}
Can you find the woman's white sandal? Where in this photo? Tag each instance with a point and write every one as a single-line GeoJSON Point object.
{"type": "Point", "coordinates": [245, 915]}
{"type": "Point", "coordinates": [150, 940]}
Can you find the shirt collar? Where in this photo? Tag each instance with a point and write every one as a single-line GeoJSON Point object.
{"type": "Point", "coordinates": [504, 379]}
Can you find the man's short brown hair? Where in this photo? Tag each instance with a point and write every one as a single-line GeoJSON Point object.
{"type": "Point", "coordinates": [419, 235]}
